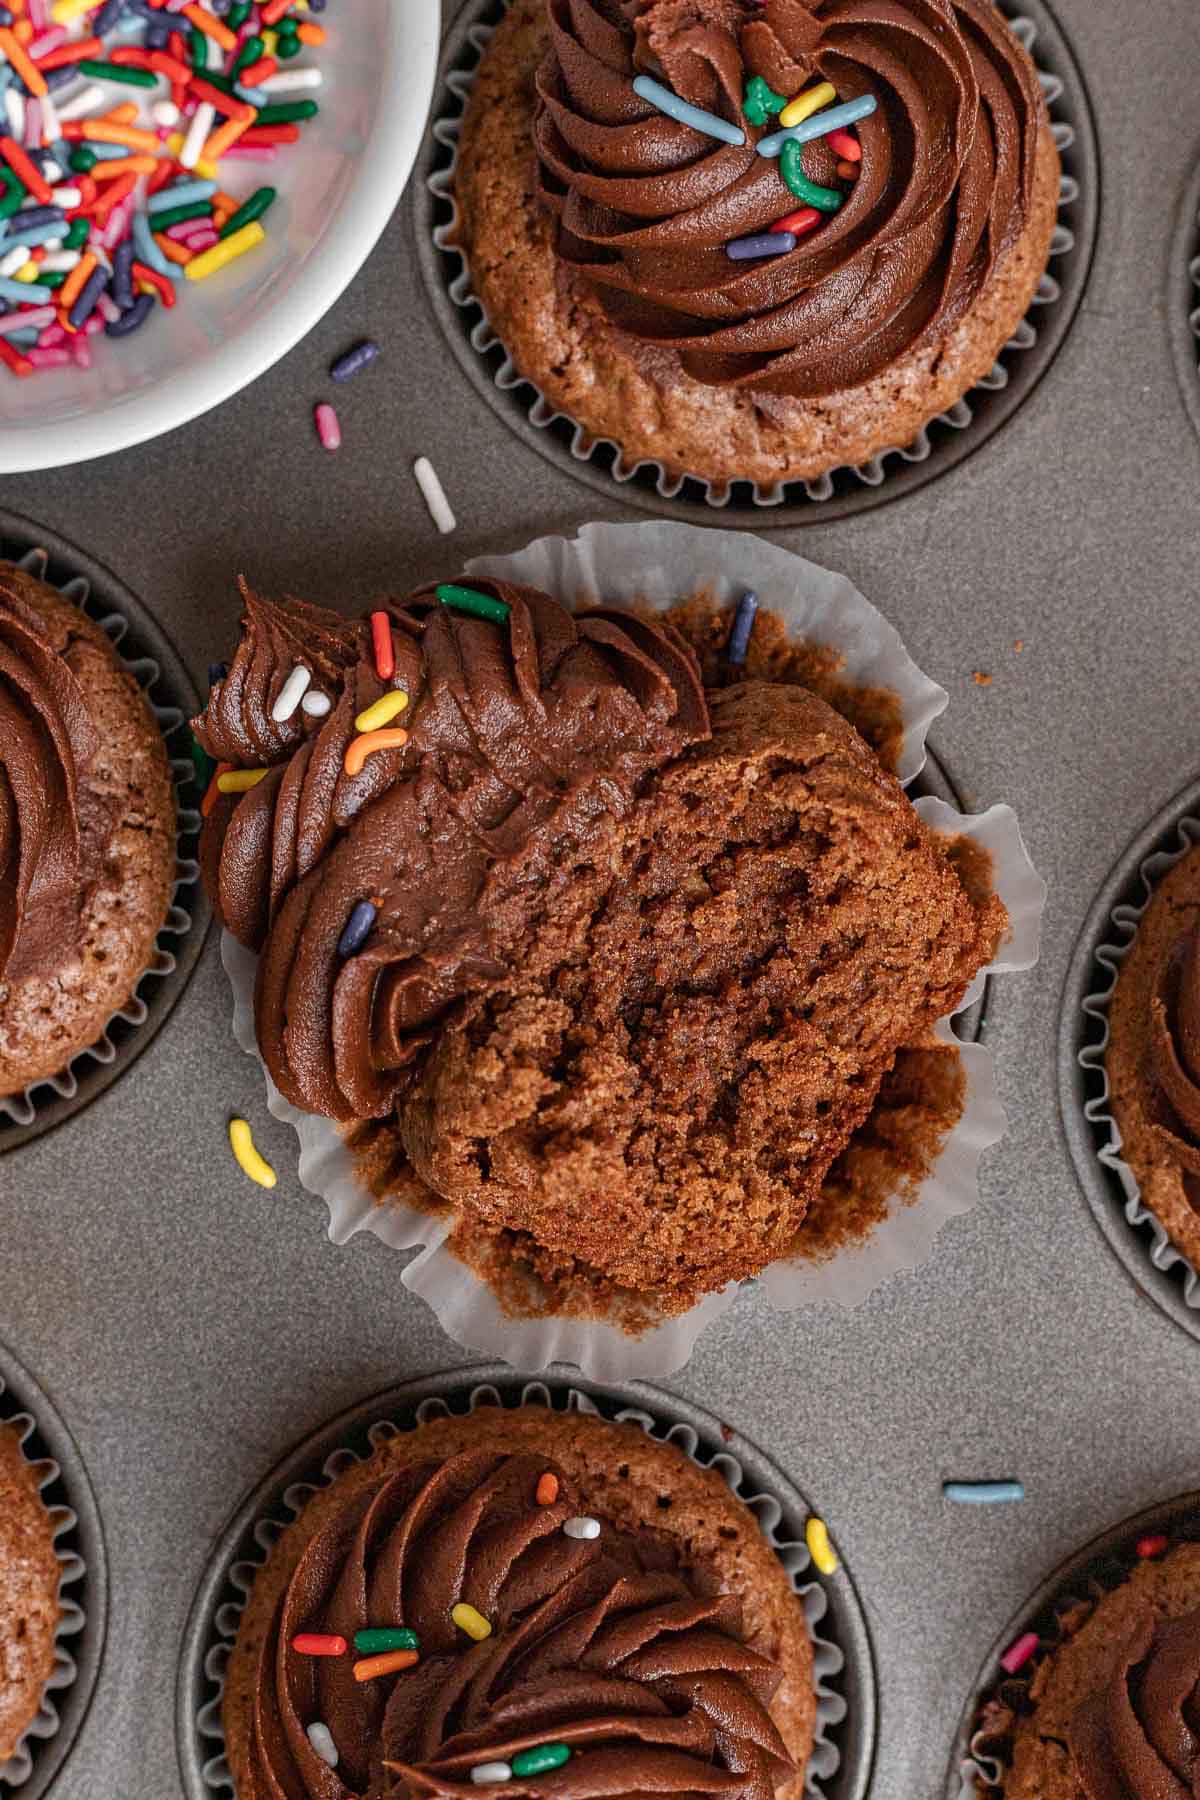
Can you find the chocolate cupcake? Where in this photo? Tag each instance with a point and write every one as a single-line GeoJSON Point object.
{"type": "Point", "coordinates": [87, 832]}
{"type": "Point", "coordinates": [579, 1608]}
{"type": "Point", "coordinates": [1153, 1057]}
{"type": "Point", "coordinates": [615, 964]}
{"type": "Point", "coordinates": [598, 228]}
{"type": "Point", "coordinates": [30, 1614]}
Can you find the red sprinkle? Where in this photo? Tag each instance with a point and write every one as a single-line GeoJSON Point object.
{"type": "Point", "coordinates": [845, 145]}
{"type": "Point", "coordinates": [225, 104]}
{"type": "Point", "coordinates": [798, 222]}
{"type": "Point", "coordinates": [25, 171]}
{"type": "Point", "coordinates": [381, 637]}
{"type": "Point", "coordinates": [317, 1643]}
{"type": "Point", "coordinates": [13, 359]}
{"type": "Point", "coordinates": [1019, 1654]}
{"type": "Point", "coordinates": [259, 136]}
{"type": "Point", "coordinates": [1148, 1547]}
{"type": "Point", "coordinates": [163, 288]}
{"type": "Point", "coordinates": [68, 53]}
{"type": "Point", "coordinates": [258, 71]}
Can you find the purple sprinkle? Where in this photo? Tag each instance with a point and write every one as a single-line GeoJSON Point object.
{"type": "Point", "coordinates": [358, 928]}
{"type": "Point", "coordinates": [88, 295]}
{"type": "Point", "coordinates": [743, 625]}
{"type": "Point", "coordinates": [30, 217]}
{"type": "Point", "coordinates": [122, 275]}
{"type": "Point", "coordinates": [129, 321]}
{"type": "Point", "coordinates": [763, 243]}
{"type": "Point", "coordinates": [59, 78]}
{"type": "Point", "coordinates": [361, 357]}
{"type": "Point", "coordinates": [107, 17]}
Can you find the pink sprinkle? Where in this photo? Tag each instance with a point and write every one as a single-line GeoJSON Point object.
{"type": "Point", "coordinates": [27, 321]}
{"type": "Point", "coordinates": [108, 309]}
{"type": "Point", "coordinates": [252, 152]}
{"type": "Point", "coordinates": [52, 337]}
{"type": "Point", "coordinates": [1020, 1653]}
{"type": "Point", "coordinates": [38, 16]}
{"type": "Point", "coordinates": [49, 40]}
{"type": "Point", "coordinates": [328, 429]}
{"type": "Point", "coordinates": [81, 352]}
{"type": "Point", "coordinates": [48, 359]}
{"type": "Point", "coordinates": [186, 228]}
{"type": "Point", "coordinates": [33, 123]}
{"type": "Point", "coordinates": [91, 325]}
{"type": "Point", "coordinates": [204, 240]}
{"type": "Point", "coordinates": [117, 227]}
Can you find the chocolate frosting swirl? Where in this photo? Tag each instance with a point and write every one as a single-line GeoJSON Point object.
{"type": "Point", "coordinates": [645, 205]}
{"type": "Point", "coordinates": [523, 739]}
{"type": "Point", "coordinates": [1137, 1738]}
{"type": "Point", "coordinates": [610, 1645]}
{"type": "Point", "coordinates": [47, 739]}
{"type": "Point", "coordinates": [1173, 1073]}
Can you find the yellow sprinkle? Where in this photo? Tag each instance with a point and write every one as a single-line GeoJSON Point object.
{"type": "Point", "coordinates": [470, 1621]}
{"type": "Point", "coordinates": [382, 712]}
{"type": "Point", "coordinates": [239, 781]}
{"type": "Point", "coordinates": [270, 42]}
{"type": "Point", "coordinates": [806, 104]}
{"type": "Point", "coordinates": [28, 273]}
{"type": "Point", "coordinates": [816, 1536]}
{"type": "Point", "coordinates": [204, 171]}
{"type": "Point", "coordinates": [249, 1160]}
{"type": "Point", "coordinates": [63, 11]}
{"type": "Point", "coordinates": [209, 261]}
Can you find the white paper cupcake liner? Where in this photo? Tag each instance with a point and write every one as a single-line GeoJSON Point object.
{"type": "Point", "coordinates": [20, 1766]}
{"type": "Point", "coordinates": [655, 565]}
{"type": "Point", "coordinates": [1107, 960]}
{"type": "Point", "coordinates": [828, 1658]}
{"type": "Point", "coordinates": [541, 413]}
{"type": "Point", "coordinates": [22, 1109]}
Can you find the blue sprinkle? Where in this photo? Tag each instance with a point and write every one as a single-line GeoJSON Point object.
{"type": "Point", "coordinates": [129, 321]}
{"type": "Point", "coordinates": [6, 17]}
{"type": "Point", "coordinates": [148, 251]}
{"type": "Point", "coordinates": [122, 275]}
{"type": "Point", "coordinates": [107, 17]}
{"type": "Point", "coordinates": [88, 295]}
{"type": "Point", "coordinates": [763, 243]}
{"type": "Point", "coordinates": [182, 193]}
{"type": "Point", "coordinates": [106, 152]}
{"type": "Point", "coordinates": [60, 78]}
{"type": "Point", "coordinates": [217, 672]}
{"type": "Point", "coordinates": [30, 240]}
{"type": "Point", "coordinates": [687, 114]}
{"type": "Point", "coordinates": [158, 35]}
{"type": "Point", "coordinates": [982, 1493]}
{"type": "Point", "coordinates": [23, 293]}
{"type": "Point", "coordinates": [358, 928]}
{"type": "Point", "coordinates": [743, 625]}
{"type": "Point", "coordinates": [361, 357]}
{"type": "Point", "coordinates": [819, 125]}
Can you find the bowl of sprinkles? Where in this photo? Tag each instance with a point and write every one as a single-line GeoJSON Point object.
{"type": "Point", "coordinates": [186, 186]}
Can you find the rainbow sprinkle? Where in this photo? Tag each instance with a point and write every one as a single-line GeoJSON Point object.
{"type": "Point", "coordinates": [118, 122]}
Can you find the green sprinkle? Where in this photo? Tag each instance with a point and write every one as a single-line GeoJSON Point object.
{"type": "Point", "coordinates": [143, 78]}
{"type": "Point", "coordinates": [14, 194]}
{"type": "Point", "coordinates": [199, 47]}
{"type": "Point", "coordinates": [238, 14]}
{"type": "Point", "coordinates": [761, 102]}
{"type": "Point", "coordinates": [290, 112]}
{"type": "Point", "coordinates": [287, 47]}
{"type": "Point", "coordinates": [83, 161]}
{"type": "Point", "coordinates": [468, 600]}
{"type": "Point", "coordinates": [221, 82]}
{"type": "Point", "coordinates": [77, 236]}
{"type": "Point", "coordinates": [176, 215]}
{"type": "Point", "coordinates": [202, 765]}
{"type": "Point", "coordinates": [250, 52]}
{"type": "Point", "coordinates": [55, 278]}
{"type": "Point", "coordinates": [541, 1760]}
{"type": "Point", "coordinates": [254, 208]}
{"type": "Point", "coordinates": [374, 1643]}
{"type": "Point", "coordinates": [791, 168]}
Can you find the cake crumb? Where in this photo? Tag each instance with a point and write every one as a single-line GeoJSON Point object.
{"type": "Point", "coordinates": [981, 679]}
{"type": "Point", "coordinates": [1018, 645]}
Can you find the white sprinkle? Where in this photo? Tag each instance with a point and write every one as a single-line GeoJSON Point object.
{"type": "Point", "coordinates": [321, 1739]}
{"type": "Point", "coordinates": [290, 81]}
{"type": "Point", "coordinates": [50, 169]}
{"type": "Point", "coordinates": [316, 704]}
{"type": "Point", "coordinates": [166, 114]}
{"type": "Point", "coordinates": [51, 131]}
{"type": "Point", "coordinates": [581, 1528]}
{"type": "Point", "coordinates": [291, 693]}
{"type": "Point", "coordinates": [14, 112]}
{"type": "Point", "coordinates": [198, 130]}
{"type": "Point", "coordinates": [60, 262]}
{"type": "Point", "coordinates": [483, 1773]}
{"type": "Point", "coordinates": [435, 495]}
{"type": "Point", "coordinates": [12, 264]}
{"type": "Point", "coordinates": [66, 196]}
{"type": "Point", "coordinates": [86, 100]}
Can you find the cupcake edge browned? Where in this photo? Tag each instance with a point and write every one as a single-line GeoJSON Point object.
{"type": "Point", "coordinates": [560, 340]}
{"type": "Point", "coordinates": [44, 1022]}
{"type": "Point", "coordinates": [624, 1475]}
{"type": "Point", "coordinates": [30, 1574]}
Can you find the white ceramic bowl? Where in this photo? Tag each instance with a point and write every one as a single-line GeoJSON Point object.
{"type": "Point", "coordinates": [337, 189]}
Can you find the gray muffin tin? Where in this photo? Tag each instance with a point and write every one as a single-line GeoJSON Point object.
{"type": "Point", "coordinates": [192, 1329]}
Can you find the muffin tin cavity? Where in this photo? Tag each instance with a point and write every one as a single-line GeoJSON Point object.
{"type": "Point", "coordinates": [939, 447]}
{"type": "Point", "coordinates": [67, 1495]}
{"type": "Point", "coordinates": [151, 658]}
{"type": "Point", "coordinates": [1109, 1184]}
{"type": "Point", "coordinates": [1183, 303]}
{"type": "Point", "coordinates": [840, 1766]}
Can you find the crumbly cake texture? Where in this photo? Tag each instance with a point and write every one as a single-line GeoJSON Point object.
{"type": "Point", "coordinates": [127, 794]}
{"type": "Point", "coordinates": [29, 1579]}
{"type": "Point", "coordinates": [560, 339]}
{"type": "Point", "coordinates": [629, 1480]}
{"type": "Point", "coordinates": [1174, 909]}
{"type": "Point", "coordinates": [1040, 1764]}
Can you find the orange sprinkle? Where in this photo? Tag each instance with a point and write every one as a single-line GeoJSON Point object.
{"type": "Point", "coordinates": [359, 748]}
{"type": "Point", "coordinates": [389, 1664]}
{"type": "Point", "coordinates": [104, 131]}
{"type": "Point", "coordinates": [124, 165]}
{"type": "Point", "coordinates": [173, 251]}
{"type": "Point", "coordinates": [547, 1489]}
{"type": "Point", "coordinates": [213, 28]}
{"type": "Point", "coordinates": [23, 31]}
{"type": "Point", "coordinates": [14, 51]}
{"type": "Point", "coordinates": [125, 114]}
{"type": "Point", "coordinates": [226, 135]}
{"type": "Point", "coordinates": [311, 34]}
{"type": "Point", "coordinates": [72, 287]}
{"type": "Point", "coordinates": [273, 11]}
{"type": "Point", "coordinates": [213, 792]}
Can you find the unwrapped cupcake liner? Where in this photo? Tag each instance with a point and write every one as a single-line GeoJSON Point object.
{"type": "Point", "coordinates": [655, 565]}
{"type": "Point", "coordinates": [829, 1662]}
{"type": "Point", "coordinates": [979, 1765]}
{"type": "Point", "coordinates": [542, 414]}
{"type": "Point", "coordinates": [22, 1110]}
{"type": "Point", "coordinates": [1107, 959]}
{"type": "Point", "coordinates": [21, 1765]}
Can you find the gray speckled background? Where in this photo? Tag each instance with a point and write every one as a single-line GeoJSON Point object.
{"type": "Point", "coordinates": [191, 1327]}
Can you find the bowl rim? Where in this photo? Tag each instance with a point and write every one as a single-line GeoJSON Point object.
{"type": "Point", "coordinates": [412, 35]}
